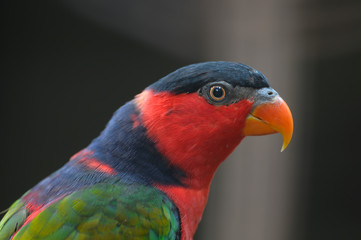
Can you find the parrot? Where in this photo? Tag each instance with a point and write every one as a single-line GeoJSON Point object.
{"type": "Point", "coordinates": [148, 174]}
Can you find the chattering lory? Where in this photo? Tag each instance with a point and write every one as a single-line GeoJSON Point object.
{"type": "Point", "coordinates": [147, 175]}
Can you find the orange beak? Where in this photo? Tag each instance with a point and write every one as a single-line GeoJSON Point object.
{"type": "Point", "coordinates": [268, 118]}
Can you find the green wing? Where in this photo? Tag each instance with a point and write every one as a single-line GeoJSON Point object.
{"type": "Point", "coordinates": [106, 211]}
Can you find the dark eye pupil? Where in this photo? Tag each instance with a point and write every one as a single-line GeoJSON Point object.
{"type": "Point", "coordinates": [218, 92]}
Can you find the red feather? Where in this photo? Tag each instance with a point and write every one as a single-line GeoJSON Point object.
{"type": "Point", "coordinates": [195, 136]}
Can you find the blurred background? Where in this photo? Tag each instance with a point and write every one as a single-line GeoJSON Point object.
{"type": "Point", "coordinates": [68, 65]}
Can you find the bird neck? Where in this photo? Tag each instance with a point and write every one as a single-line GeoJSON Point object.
{"type": "Point", "coordinates": [195, 137]}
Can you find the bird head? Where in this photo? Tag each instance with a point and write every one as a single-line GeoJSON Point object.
{"type": "Point", "coordinates": [198, 114]}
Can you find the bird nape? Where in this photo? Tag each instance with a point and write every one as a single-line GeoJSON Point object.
{"type": "Point", "coordinates": [147, 175]}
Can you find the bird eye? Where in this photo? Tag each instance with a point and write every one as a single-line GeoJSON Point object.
{"type": "Point", "coordinates": [217, 93]}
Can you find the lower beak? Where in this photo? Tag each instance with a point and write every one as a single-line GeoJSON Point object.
{"type": "Point", "coordinates": [268, 118]}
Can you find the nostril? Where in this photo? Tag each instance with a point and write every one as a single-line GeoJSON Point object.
{"type": "Point", "coordinates": [270, 93]}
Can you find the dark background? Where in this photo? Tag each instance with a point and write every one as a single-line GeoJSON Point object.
{"type": "Point", "coordinates": [63, 75]}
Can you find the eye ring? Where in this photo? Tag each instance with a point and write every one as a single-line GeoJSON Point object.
{"type": "Point", "coordinates": [217, 93]}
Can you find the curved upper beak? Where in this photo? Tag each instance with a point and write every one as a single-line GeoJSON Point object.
{"type": "Point", "coordinates": [270, 117]}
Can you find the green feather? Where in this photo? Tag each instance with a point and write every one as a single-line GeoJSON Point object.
{"type": "Point", "coordinates": [13, 219]}
{"type": "Point", "coordinates": [105, 211]}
